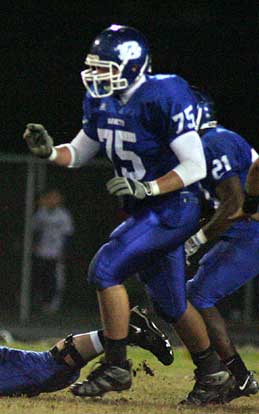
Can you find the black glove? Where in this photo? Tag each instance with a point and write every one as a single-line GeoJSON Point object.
{"type": "Point", "coordinates": [38, 140]}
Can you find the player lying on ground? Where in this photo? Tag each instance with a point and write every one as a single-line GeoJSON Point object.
{"type": "Point", "coordinates": [234, 259]}
{"type": "Point", "coordinates": [32, 373]}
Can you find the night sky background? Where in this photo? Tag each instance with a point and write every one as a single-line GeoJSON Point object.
{"type": "Point", "coordinates": [43, 46]}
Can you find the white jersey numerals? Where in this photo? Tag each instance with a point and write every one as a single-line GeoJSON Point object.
{"type": "Point", "coordinates": [220, 167]}
{"type": "Point", "coordinates": [116, 140]}
{"type": "Point", "coordinates": [180, 118]}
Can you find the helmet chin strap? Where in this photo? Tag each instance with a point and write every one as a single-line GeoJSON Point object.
{"type": "Point", "coordinates": [126, 94]}
{"type": "Point", "coordinates": [200, 126]}
{"type": "Point", "coordinates": [211, 124]}
{"type": "Point", "coordinates": [135, 84]}
{"type": "Point", "coordinates": [116, 83]}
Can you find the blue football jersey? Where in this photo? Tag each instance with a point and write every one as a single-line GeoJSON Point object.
{"type": "Point", "coordinates": [136, 136]}
{"type": "Point", "coordinates": [227, 155]}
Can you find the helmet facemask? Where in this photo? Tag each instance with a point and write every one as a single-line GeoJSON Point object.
{"type": "Point", "coordinates": [101, 84]}
{"type": "Point", "coordinates": [206, 113]}
{"type": "Point", "coordinates": [104, 83]}
{"type": "Point", "coordinates": [206, 119]}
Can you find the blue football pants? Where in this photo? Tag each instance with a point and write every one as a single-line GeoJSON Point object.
{"type": "Point", "coordinates": [225, 268]}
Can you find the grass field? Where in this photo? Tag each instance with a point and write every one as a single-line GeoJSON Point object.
{"type": "Point", "coordinates": [157, 394]}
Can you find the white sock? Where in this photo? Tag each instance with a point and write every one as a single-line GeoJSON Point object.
{"type": "Point", "coordinates": [96, 342]}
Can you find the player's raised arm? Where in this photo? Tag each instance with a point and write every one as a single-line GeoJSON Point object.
{"type": "Point", "coordinates": [251, 200]}
{"type": "Point", "coordinates": [252, 189]}
{"type": "Point", "coordinates": [75, 154]}
{"type": "Point", "coordinates": [41, 144]}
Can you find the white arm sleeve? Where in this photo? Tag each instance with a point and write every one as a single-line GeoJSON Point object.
{"type": "Point", "coordinates": [82, 149]}
{"type": "Point", "coordinates": [189, 151]}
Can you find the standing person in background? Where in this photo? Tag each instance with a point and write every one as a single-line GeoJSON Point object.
{"type": "Point", "coordinates": [52, 232]}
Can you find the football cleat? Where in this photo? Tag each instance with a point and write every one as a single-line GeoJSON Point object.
{"type": "Point", "coordinates": [104, 379]}
{"type": "Point", "coordinates": [249, 387]}
{"type": "Point", "coordinates": [144, 333]}
{"type": "Point", "coordinates": [210, 389]}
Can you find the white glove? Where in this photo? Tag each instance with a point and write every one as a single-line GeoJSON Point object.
{"type": "Point", "coordinates": [38, 140]}
{"type": "Point", "coordinates": [193, 244]}
{"type": "Point", "coordinates": [121, 186]}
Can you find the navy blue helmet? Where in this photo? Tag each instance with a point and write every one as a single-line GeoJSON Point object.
{"type": "Point", "coordinates": [207, 117]}
{"type": "Point", "coordinates": [117, 58]}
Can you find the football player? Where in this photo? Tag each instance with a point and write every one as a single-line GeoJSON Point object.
{"type": "Point", "coordinates": [146, 125]}
{"type": "Point", "coordinates": [32, 373]}
{"type": "Point", "coordinates": [234, 259]}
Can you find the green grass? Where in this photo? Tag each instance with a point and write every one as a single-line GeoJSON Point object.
{"type": "Point", "coordinates": [158, 394]}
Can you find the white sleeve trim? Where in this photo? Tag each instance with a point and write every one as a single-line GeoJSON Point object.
{"type": "Point", "coordinates": [189, 151]}
{"type": "Point", "coordinates": [82, 149]}
{"type": "Point", "coordinates": [155, 190]}
{"type": "Point", "coordinates": [53, 154]}
{"type": "Point", "coordinates": [201, 237]}
{"type": "Point", "coordinates": [254, 155]}
{"type": "Point", "coordinates": [98, 347]}
{"type": "Point", "coordinates": [71, 150]}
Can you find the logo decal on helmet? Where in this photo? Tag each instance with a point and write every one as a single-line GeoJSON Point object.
{"type": "Point", "coordinates": [129, 50]}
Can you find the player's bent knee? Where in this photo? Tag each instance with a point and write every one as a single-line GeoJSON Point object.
{"type": "Point", "coordinates": [69, 348]}
{"type": "Point", "coordinates": [91, 273]}
{"type": "Point", "coordinates": [98, 271]}
{"type": "Point", "coordinates": [95, 274]}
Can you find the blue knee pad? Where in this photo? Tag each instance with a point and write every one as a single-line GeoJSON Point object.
{"type": "Point", "coordinates": [100, 271]}
{"type": "Point", "coordinates": [164, 314]}
{"type": "Point", "coordinates": [165, 285]}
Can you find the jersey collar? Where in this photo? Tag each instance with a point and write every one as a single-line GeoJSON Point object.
{"type": "Point", "coordinates": [125, 97]}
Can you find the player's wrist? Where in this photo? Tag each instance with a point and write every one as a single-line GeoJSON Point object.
{"type": "Point", "coordinates": [251, 203]}
{"type": "Point", "coordinates": [53, 155]}
{"type": "Point", "coordinates": [152, 188]}
{"type": "Point", "coordinates": [200, 237]}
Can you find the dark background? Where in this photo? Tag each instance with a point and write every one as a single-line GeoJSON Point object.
{"type": "Point", "coordinates": [213, 44]}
